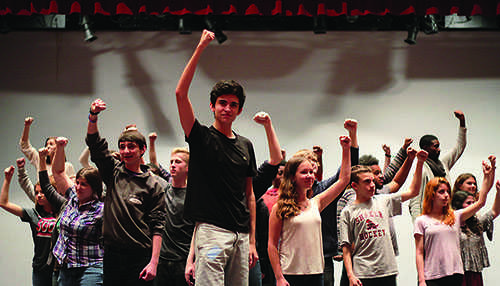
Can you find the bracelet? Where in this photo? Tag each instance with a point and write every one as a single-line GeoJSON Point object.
{"type": "Point", "coordinates": [93, 113]}
{"type": "Point", "coordinates": [388, 155]}
{"type": "Point", "coordinates": [92, 121]}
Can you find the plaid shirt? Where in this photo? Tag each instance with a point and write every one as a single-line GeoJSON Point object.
{"type": "Point", "coordinates": [80, 237]}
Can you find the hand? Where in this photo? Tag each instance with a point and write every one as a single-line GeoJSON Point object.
{"type": "Point", "coordinates": [486, 169]}
{"type": "Point", "coordinates": [152, 136]}
{"type": "Point", "coordinates": [318, 150]}
{"type": "Point", "coordinates": [61, 141]}
{"type": "Point", "coordinates": [130, 127]}
{"type": "Point", "coordinates": [98, 105]}
{"type": "Point", "coordinates": [345, 141]}
{"type": "Point", "coordinates": [407, 143]}
{"type": "Point", "coordinates": [189, 273]}
{"type": "Point", "coordinates": [148, 273]}
{"type": "Point", "coordinates": [493, 161]}
{"type": "Point", "coordinates": [28, 121]}
{"type": "Point", "coordinates": [253, 257]}
{"type": "Point", "coordinates": [459, 114]}
{"type": "Point", "coordinates": [20, 162]}
{"type": "Point", "coordinates": [387, 149]}
{"type": "Point", "coordinates": [43, 152]}
{"type": "Point", "coordinates": [338, 258]}
{"type": "Point", "coordinates": [262, 118]}
{"type": "Point", "coordinates": [9, 172]}
{"type": "Point", "coordinates": [206, 38]}
{"type": "Point", "coordinates": [282, 282]}
{"type": "Point", "coordinates": [354, 281]}
{"type": "Point", "coordinates": [351, 125]}
{"type": "Point", "coordinates": [422, 155]}
{"type": "Point", "coordinates": [411, 153]}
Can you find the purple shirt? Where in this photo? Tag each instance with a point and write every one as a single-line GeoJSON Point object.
{"type": "Point", "coordinates": [80, 237]}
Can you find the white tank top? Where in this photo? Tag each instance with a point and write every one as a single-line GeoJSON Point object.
{"type": "Point", "coordinates": [301, 245]}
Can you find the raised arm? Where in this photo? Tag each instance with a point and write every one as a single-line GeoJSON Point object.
{"type": "Point", "coordinates": [318, 150]}
{"type": "Point", "coordinates": [186, 113]}
{"type": "Point", "coordinates": [55, 199]}
{"type": "Point", "coordinates": [417, 177]}
{"type": "Point", "coordinates": [402, 174]}
{"type": "Point", "coordinates": [24, 180]}
{"type": "Point", "coordinates": [95, 108]}
{"type": "Point", "coordinates": [4, 195]}
{"type": "Point", "coordinates": [489, 179]}
{"type": "Point", "coordinates": [496, 205]}
{"type": "Point", "coordinates": [63, 182]}
{"type": "Point", "coordinates": [264, 119]}
{"type": "Point", "coordinates": [387, 156]}
{"type": "Point", "coordinates": [450, 158]}
{"type": "Point", "coordinates": [397, 161]}
{"type": "Point", "coordinates": [84, 158]}
{"type": "Point", "coordinates": [25, 145]}
{"type": "Point", "coordinates": [325, 198]}
{"type": "Point", "coordinates": [152, 149]}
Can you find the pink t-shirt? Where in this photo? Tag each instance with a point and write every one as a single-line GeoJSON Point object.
{"type": "Point", "coordinates": [441, 246]}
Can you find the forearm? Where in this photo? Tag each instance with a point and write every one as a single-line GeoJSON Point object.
{"type": "Point", "coordinates": [152, 153]}
{"type": "Point", "coordinates": [4, 195]}
{"type": "Point", "coordinates": [347, 256]}
{"type": "Point", "coordinates": [274, 145]}
{"type": "Point", "coordinates": [84, 158]}
{"type": "Point", "coordinates": [420, 267]}
{"type": "Point", "coordinates": [26, 184]}
{"type": "Point", "coordinates": [415, 183]}
{"type": "Point", "coordinates": [395, 165]}
{"type": "Point", "coordinates": [345, 169]}
{"type": "Point", "coordinates": [92, 125]}
{"type": "Point", "coordinates": [402, 174]}
{"type": "Point", "coordinates": [272, 252]}
{"type": "Point", "coordinates": [155, 251]}
{"type": "Point", "coordinates": [58, 164]}
{"type": "Point", "coordinates": [251, 208]}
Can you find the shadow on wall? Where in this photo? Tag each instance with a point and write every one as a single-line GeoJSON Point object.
{"type": "Point", "coordinates": [455, 55]}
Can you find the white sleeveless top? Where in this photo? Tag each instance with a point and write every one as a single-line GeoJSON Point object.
{"type": "Point", "coordinates": [301, 245]}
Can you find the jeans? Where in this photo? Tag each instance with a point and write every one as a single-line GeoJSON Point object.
{"type": "Point", "coordinates": [255, 275]}
{"type": "Point", "coordinates": [81, 276]}
{"type": "Point", "coordinates": [328, 272]}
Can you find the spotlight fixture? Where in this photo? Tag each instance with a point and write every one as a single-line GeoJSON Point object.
{"type": "Point", "coordinates": [430, 24]}
{"type": "Point", "coordinates": [4, 27]}
{"type": "Point", "coordinates": [89, 34]}
{"type": "Point", "coordinates": [413, 28]}
{"type": "Point", "coordinates": [319, 24]}
{"type": "Point", "coordinates": [184, 28]}
{"type": "Point", "coordinates": [212, 26]}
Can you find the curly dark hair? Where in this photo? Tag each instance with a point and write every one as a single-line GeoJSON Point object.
{"type": "Point", "coordinates": [224, 87]}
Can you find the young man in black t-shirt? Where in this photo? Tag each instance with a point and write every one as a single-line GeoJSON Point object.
{"type": "Point", "coordinates": [219, 195]}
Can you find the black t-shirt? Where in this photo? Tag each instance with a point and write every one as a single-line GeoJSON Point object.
{"type": "Point", "coordinates": [41, 226]}
{"type": "Point", "coordinates": [218, 171]}
{"type": "Point", "coordinates": [178, 231]}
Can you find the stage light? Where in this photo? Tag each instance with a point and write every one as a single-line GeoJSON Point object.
{"type": "Point", "coordinates": [212, 26]}
{"type": "Point", "coordinates": [184, 28]}
{"type": "Point", "coordinates": [89, 34]}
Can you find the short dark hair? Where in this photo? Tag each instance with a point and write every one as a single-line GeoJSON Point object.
{"type": "Point", "coordinates": [224, 87]}
{"type": "Point", "coordinates": [359, 169]}
{"type": "Point", "coordinates": [426, 141]}
{"type": "Point", "coordinates": [133, 136]}
{"type": "Point", "coordinates": [93, 178]}
{"type": "Point", "coordinates": [368, 160]}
